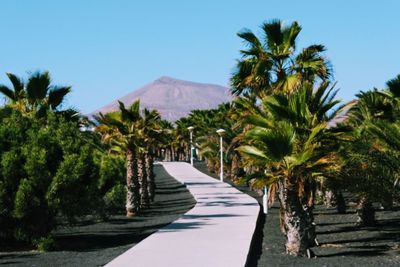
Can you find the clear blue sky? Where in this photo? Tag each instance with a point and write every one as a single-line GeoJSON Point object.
{"type": "Point", "coordinates": [106, 49]}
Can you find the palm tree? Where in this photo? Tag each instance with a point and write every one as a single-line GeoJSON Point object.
{"type": "Point", "coordinates": [389, 134]}
{"type": "Point", "coordinates": [270, 64]}
{"type": "Point", "coordinates": [120, 130]}
{"type": "Point", "coordinates": [181, 145]}
{"type": "Point", "coordinates": [206, 122]}
{"type": "Point", "coordinates": [292, 145]}
{"type": "Point", "coordinates": [370, 154]}
{"type": "Point", "coordinates": [150, 136]}
{"type": "Point", "coordinates": [166, 140]}
{"type": "Point", "coordinates": [37, 95]}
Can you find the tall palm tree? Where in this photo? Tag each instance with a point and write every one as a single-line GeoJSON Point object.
{"type": "Point", "coordinates": [120, 130]}
{"type": "Point", "coordinates": [269, 64]}
{"type": "Point", "coordinates": [292, 145]}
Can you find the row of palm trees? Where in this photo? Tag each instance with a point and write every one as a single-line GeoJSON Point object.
{"type": "Point", "coordinates": [280, 119]}
{"type": "Point", "coordinates": [373, 152]}
{"type": "Point", "coordinates": [136, 134]}
{"type": "Point", "coordinates": [286, 130]}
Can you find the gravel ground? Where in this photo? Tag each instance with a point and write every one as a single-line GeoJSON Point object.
{"type": "Point", "coordinates": [96, 243]}
{"type": "Point", "coordinates": [341, 243]}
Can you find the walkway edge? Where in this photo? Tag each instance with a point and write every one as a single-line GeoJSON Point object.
{"type": "Point", "coordinates": [217, 231]}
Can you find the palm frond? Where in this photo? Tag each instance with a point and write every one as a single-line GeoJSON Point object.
{"type": "Point", "coordinates": [7, 92]}
{"type": "Point", "coordinates": [17, 83]}
{"type": "Point", "coordinates": [273, 33]}
{"type": "Point", "coordinates": [394, 86]}
{"type": "Point", "coordinates": [250, 38]}
{"type": "Point", "coordinates": [56, 96]}
{"type": "Point", "coordinates": [38, 86]}
{"type": "Point", "coordinates": [387, 132]}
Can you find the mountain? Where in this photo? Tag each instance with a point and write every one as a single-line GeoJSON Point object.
{"type": "Point", "coordinates": [174, 98]}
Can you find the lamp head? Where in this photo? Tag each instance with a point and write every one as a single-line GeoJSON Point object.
{"type": "Point", "coordinates": [190, 128]}
{"type": "Point", "coordinates": [220, 132]}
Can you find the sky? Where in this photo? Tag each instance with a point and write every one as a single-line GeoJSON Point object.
{"type": "Point", "coordinates": [105, 49]}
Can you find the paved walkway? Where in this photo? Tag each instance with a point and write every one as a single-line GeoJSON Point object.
{"type": "Point", "coordinates": [216, 232]}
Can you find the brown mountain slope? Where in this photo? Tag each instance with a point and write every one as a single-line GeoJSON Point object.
{"type": "Point", "coordinates": [174, 98]}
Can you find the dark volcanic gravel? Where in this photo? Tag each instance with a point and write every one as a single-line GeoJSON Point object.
{"type": "Point", "coordinates": [341, 242]}
{"type": "Point", "coordinates": [95, 244]}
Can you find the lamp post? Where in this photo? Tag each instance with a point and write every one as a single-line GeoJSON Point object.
{"type": "Point", "coordinates": [190, 129]}
{"type": "Point", "coordinates": [265, 200]}
{"type": "Point", "coordinates": [221, 132]}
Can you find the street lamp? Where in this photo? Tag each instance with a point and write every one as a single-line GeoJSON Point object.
{"type": "Point", "coordinates": [190, 129]}
{"type": "Point", "coordinates": [221, 132]}
{"type": "Point", "coordinates": [265, 200]}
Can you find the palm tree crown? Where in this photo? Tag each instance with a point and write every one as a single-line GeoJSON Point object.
{"type": "Point", "coordinates": [37, 95]}
{"type": "Point", "coordinates": [270, 64]}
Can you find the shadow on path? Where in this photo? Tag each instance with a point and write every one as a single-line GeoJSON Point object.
{"type": "Point", "coordinates": [342, 243]}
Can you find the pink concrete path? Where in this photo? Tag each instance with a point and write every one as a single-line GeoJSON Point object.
{"type": "Point", "coordinates": [216, 232]}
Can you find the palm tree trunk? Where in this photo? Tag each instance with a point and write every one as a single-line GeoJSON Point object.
{"type": "Point", "coordinates": [132, 184]}
{"type": "Point", "coordinates": [310, 190]}
{"type": "Point", "coordinates": [151, 185]}
{"type": "Point", "coordinates": [144, 196]}
{"type": "Point", "coordinates": [310, 226]}
{"type": "Point", "coordinates": [211, 166]}
{"type": "Point", "coordinates": [236, 170]}
{"type": "Point", "coordinates": [365, 212]}
{"type": "Point", "coordinates": [329, 199]}
{"type": "Point", "coordinates": [340, 203]}
{"type": "Point", "coordinates": [281, 199]}
{"type": "Point", "coordinates": [295, 222]}
{"type": "Point", "coordinates": [168, 154]}
{"type": "Point", "coordinates": [173, 157]}
{"type": "Point", "coordinates": [181, 154]}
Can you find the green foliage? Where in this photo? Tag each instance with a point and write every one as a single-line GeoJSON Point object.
{"type": "Point", "coordinates": [372, 150]}
{"type": "Point", "coordinates": [270, 64]}
{"type": "Point", "coordinates": [50, 170]}
{"type": "Point", "coordinates": [131, 133]}
{"type": "Point", "coordinates": [277, 142]}
{"type": "Point", "coordinates": [114, 198]}
{"type": "Point", "coordinates": [45, 243]}
{"type": "Point", "coordinates": [369, 171]}
{"type": "Point", "coordinates": [72, 190]}
{"type": "Point", "coordinates": [35, 97]}
{"type": "Point", "coordinates": [111, 182]}
{"type": "Point", "coordinates": [46, 171]}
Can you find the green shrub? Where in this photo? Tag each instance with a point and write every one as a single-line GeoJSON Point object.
{"type": "Point", "coordinates": [111, 182]}
{"type": "Point", "coordinates": [115, 199]}
{"type": "Point", "coordinates": [45, 243]}
{"type": "Point", "coordinates": [47, 170]}
{"type": "Point", "coordinates": [73, 188]}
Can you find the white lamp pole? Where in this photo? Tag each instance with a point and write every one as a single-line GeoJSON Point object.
{"type": "Point", "coordinates": [190, 129]}
{"type": "Point", "coordinates": [221, 132]}
{"type": "Point", "coordinates": [265, 200]}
